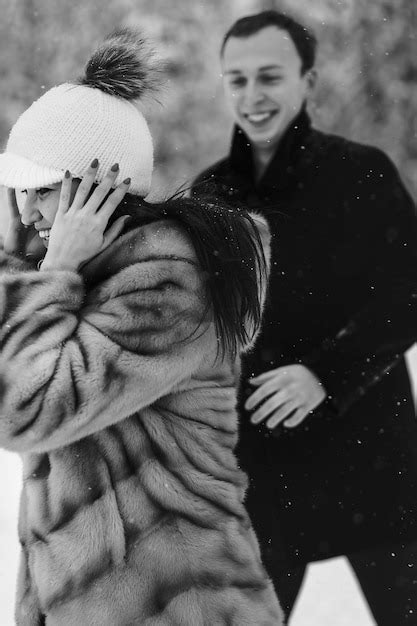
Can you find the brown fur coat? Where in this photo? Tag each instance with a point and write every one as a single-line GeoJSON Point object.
{"type": "Point", "coordinates": [132, 505]}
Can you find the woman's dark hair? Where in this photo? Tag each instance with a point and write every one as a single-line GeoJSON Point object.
{"type": "Point", "coordinates": [230, 253]}
{"type": "Point", "coordinates": [304, 40]}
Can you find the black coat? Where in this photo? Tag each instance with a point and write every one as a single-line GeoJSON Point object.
{"type": "Point", "coordinates": [342, 301]}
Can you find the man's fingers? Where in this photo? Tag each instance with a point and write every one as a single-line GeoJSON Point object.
{"type": "Point", "coordinates": [65, 194]}
{"type": "Point", "coordinates": [263, 392]}
{"type": "Point", "coordinates": [281, 414]}
{"type": "Point", "coordinates": [303, 393]}
{"type": "Point", "coordinates": [279, 374]}
{"type": "Point", "coordinates": [262, 378]}
{"type": "Point", "coordinates": [269, 406]}
{"type": "Point", "coordinates": [296, 419]}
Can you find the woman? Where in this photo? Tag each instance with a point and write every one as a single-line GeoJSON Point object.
{"type": "Point", "coordinates": [118, 371]}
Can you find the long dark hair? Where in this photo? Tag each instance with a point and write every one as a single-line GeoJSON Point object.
{"type": "Point", "coordinates": [229, 250]}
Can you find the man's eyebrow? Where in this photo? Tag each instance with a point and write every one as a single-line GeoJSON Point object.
{"type": "Point", "coordinates": [271, 67]}
{"type": "Point", "coordinates": [260, 69]}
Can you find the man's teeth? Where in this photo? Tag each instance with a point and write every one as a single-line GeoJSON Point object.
{"type": "Point", "coordinates": [44, 234]}
{"type": "Point", "coordinates": [259, 117]}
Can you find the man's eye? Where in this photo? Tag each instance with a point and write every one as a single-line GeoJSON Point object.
{"type": "Point", "coordinates": [237, 82]}
{"type": "Point", "coordinates": [271, 79]}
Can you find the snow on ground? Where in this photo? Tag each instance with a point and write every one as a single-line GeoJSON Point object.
{"type": "Point", "coordinates": [331, 597]}
{"type": "Point", "coordinates": [9, 489]}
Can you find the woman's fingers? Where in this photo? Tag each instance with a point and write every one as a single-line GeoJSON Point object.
{"type": "Point", "coordinates": [13, 208]}
{"type": "Point", "coordinates": [103, 189]}
{"type": "Point", "coordinates": [96, 200]}
{"type": "Point", "coordinates": [85, 186]}
{"type": "Point", "coordinates": [65, 195]}
{"type": "Point", "coordinates": [114, 231]}
{"type": "Point", "coordinates": [113, 201]}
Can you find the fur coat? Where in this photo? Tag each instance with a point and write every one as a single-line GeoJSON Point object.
{"type": "Point", "coordinates": [132, 505]}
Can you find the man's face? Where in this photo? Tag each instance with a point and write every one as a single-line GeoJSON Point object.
{"type": "Point", "coordinates": [264, 85]}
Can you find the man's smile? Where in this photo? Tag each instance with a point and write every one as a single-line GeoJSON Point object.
{"type": "Point", "coordinates": [260, 118]}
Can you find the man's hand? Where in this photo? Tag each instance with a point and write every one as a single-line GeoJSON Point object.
{"type": "Point", "coordinates": [287, 394]}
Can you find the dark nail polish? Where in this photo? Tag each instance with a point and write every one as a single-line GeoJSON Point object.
{"type": "Point", "coordinates": [94, 163]}
{"type": "Point", "coordinates": [67, 174]}
{"type": "Point", "coordinates": [127, 181]}
{"type": "Point", "coordinates": [115, 167]}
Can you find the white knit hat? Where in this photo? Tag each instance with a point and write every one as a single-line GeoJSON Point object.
{"type": "Point", "coordinates": [72, 124]}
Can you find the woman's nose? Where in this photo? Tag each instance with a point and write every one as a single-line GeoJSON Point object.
{"type": "Point", "coordinates": [30, 213]}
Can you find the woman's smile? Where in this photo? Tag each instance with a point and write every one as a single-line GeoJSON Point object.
{"type": "Point", "coordinates": [44, 234]}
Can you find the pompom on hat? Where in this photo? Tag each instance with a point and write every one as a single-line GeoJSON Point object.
{"type": "Point", "coordinates": [95, 117]}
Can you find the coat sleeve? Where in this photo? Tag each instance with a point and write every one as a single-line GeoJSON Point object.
{"type": "Point", "coordinates": [73, 361]}
{"type": "Point", "coordinates": [383, 221]}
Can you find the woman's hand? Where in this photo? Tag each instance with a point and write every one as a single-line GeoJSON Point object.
{"type": "Point", "coordinates": [77, 234]}
{"type": "Point", "coordinates": [22, 241]}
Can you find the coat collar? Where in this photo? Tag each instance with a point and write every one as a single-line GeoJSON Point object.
{"type": "Point", "coordinates": [280, 171]}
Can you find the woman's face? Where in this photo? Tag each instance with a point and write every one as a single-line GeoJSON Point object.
{"type": "Point", "coordinates": [38, 207]}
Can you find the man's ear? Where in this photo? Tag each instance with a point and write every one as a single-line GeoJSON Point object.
{"type": "Point", "coordinates": [312, 76]}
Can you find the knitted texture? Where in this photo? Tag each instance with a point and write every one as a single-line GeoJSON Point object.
{"type": "Point", "coordinates": [68, 127]}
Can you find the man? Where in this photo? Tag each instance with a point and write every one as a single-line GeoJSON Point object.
{"type": "Point", "coordinates": [329, 437]}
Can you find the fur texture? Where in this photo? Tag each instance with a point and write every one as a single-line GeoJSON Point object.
{"type": "Point", "coordinates": [132, 507]}
{"type": "Point", "coordinates": [124, 65]}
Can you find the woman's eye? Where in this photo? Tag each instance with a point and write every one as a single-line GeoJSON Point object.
{"type": "Point", "coordinates": [43, 191]}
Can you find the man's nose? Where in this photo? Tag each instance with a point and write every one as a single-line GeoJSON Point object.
{"type": "Point", "coordinates": [30, 213]}
{"type": "Point", "coordinates": [253, 93]}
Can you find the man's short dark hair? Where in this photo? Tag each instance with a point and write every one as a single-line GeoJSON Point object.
{"type": "Point", "coordinates": [304, 40]}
